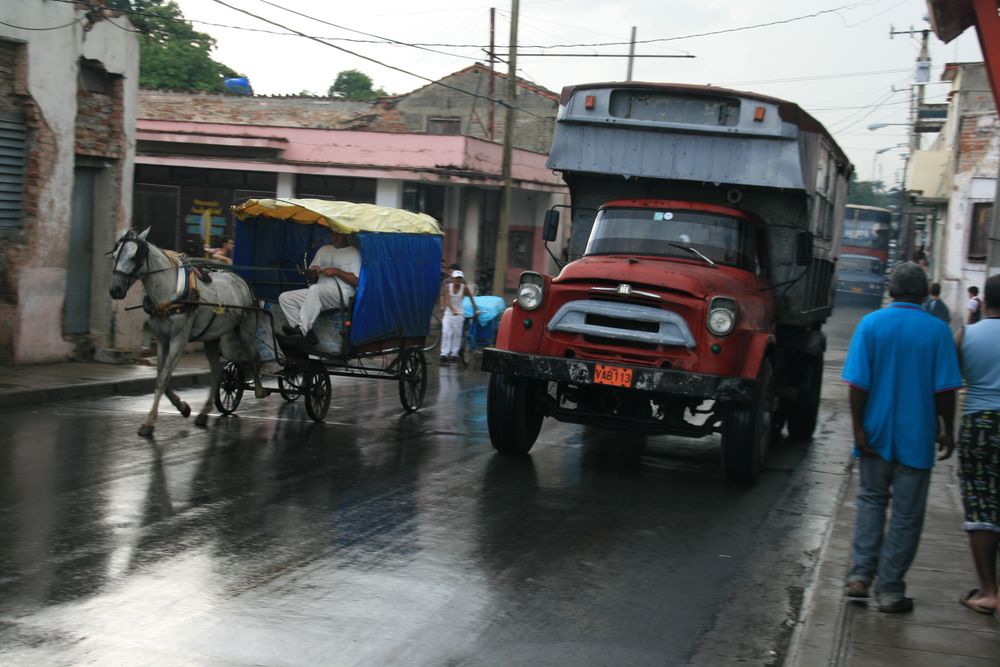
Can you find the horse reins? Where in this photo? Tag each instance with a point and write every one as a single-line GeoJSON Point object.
{"type": "Point", "coordinates": [161, 310]}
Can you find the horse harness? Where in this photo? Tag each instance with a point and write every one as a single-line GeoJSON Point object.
{"type": "Point", "coordinates": [186, 296]}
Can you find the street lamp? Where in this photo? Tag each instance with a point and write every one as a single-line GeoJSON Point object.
{"type": "Point", "coordinates": [879, 152]}
{"type": "Point", "coordinates": [878, 126]}
{"type": "Point", "coordinates": [874, 158]}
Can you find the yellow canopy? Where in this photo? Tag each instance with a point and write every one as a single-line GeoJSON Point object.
{"type": "Point", "coordinates": [341, 216]}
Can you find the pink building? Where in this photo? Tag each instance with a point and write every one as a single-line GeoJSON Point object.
{"type": "Point", "coordinates": [197, 153]}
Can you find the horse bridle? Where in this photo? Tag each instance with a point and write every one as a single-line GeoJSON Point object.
{"type": "Point", "coordinates": [141, 255]}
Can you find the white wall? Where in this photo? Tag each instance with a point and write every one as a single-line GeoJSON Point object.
{"type": "Point", "coordinates": [389, 192]}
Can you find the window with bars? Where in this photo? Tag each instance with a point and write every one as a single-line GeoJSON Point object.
{"type": "Point", "coordinates": [979, 231]}
{"type": "Point", "coordinates": [13, 160]}
{"type": "Point", "coordinates": [444, 126]}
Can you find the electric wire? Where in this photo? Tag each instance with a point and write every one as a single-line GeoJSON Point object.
{"type": "Point", "coordinates": [436, 82]}
{"type": "Point", "coordinates": [55, 27]}
{"type": "Point", "coordinates": [360, 32]}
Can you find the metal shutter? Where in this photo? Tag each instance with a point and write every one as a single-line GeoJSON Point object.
{"type": "Point", "coordinates": [13, 158]}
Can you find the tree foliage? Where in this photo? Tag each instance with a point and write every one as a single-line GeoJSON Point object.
{"type": "Point", "coordinates": [871, 193]}
{"type": "Point", "coordinates": [172, 54]}
{"type": "Point", "coordinates": [354, 85]}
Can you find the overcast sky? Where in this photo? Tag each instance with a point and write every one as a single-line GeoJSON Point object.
{"type": "Point", "coordinates": [833, 58]}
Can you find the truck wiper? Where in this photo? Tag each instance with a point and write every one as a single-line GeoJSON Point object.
{"type": "Point", "coordinates": [694, 252]}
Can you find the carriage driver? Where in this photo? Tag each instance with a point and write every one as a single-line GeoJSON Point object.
{"type": "Point", "coordinates": [336, 267]}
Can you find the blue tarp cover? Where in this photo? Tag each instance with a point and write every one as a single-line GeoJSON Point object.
{"type": "Point", "coordinates": [488, 308]}
{"type": "Point", "coordinates": [397, 288]}
{"type": "Point", "coordinates": [268, 251]}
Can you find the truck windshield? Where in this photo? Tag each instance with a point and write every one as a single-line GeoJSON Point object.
{"type": "Point", "coordinates": [645, 231]}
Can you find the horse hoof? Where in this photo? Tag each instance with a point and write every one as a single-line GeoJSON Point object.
{"type": "Point", "coordinates": [261, 392]}
{"type": "Point", "coordinates": [185, 410]}
{"type": "Point", "coordinates": [201, 420]}
{"type": "Point", "coordinates": [146, 431]}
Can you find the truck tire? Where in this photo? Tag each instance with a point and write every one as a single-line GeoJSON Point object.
{"type": "Point", "coordinates": [746, 432]}
{"type": "Point", "coordinates": [513, 414]}
{"type": "Point", "coordinates": [803, 412]}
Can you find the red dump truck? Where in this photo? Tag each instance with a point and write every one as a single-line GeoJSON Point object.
{"type": "Point", "coordinates": [705, 226]}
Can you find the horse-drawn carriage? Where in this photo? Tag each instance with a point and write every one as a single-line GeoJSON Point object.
{"type": "Point", "coordinates": [380, 334]}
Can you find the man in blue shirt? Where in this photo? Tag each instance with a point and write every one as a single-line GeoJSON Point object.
{"type": "Point", "coordinates": [903, 371]}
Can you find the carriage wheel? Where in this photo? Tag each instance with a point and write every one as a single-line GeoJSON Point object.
{"type": "Point", "coordinates": [412, 378]}
{"type": "Point", "coordinates": [290, 385]}
{"type": "Point", "coordinates": [230, 391]}
{"type": "Point", "coordinates": [317, 391]}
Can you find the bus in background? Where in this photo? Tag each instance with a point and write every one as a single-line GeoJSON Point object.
{"type": "Point", "coordinates": [866, 232]}
{"type": "Point", "coordinates": [864, 255]}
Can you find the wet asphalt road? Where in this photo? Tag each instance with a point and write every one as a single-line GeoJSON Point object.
{"type": "Point", "coordinates": [379, 538]}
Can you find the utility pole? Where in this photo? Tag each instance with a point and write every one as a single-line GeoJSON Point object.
{"type": "Point", "coordinates": [631, 55]}
{"type": "Point", "coordinates": [489, 104]}
{"type": "Point", "coordinates": [503, 225]}
{"type": "Point", "coordinates": [907, 231]}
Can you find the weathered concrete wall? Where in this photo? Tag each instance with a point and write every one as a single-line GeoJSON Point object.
{"type": "Point", "coordinates": [534, 125]}
{"type": "Point", "coordinates": [312, 112]}
{"type": "Point", "coordinates": [974, 182]}
{"type": "Point", "coordinates": [45, 84]}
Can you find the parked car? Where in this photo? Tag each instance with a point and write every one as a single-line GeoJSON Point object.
{"type": "Point", "coordinates": [860, 280]}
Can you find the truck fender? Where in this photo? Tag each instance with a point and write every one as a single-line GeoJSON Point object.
{"type": "Point", "coordinates": [758, 348]}
{"type": "Point", "coordinates": [503, 330]}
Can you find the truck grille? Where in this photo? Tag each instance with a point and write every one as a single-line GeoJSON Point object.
{"type": "Point", "coordinates": [623, 324]}
{"type": "Point", "coordinates": [598, 320]}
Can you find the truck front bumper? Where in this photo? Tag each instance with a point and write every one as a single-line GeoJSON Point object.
{"type": "Point", "coordinates": [657, 380]}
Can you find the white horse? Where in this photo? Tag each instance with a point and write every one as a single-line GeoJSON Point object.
{"type": "Point", "coordinates": [183, 308]}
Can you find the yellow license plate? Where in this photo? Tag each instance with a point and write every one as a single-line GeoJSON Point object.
{"type": "Point", "coordinates": [857, 290]}
{"type": "Point", "coordinates": [613, 375]}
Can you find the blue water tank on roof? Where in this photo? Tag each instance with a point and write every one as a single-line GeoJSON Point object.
{"type": "Point", "coordinates": [240, 85]}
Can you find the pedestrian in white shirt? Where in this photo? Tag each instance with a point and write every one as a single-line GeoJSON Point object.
{"type": "Point", "coordinates": [453, 318]}
{"type": "Point", "coordinates": [975, 306]}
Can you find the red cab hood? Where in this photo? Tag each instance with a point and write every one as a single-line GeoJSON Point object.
{"type": "Point", "coordinates": [679, 275]}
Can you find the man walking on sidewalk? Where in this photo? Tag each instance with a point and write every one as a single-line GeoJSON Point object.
{"type": "Point", "coordinates": [902, 369]}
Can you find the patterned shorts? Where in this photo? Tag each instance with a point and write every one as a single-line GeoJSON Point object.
{"type": "Point", "coordinates": [979, 459]}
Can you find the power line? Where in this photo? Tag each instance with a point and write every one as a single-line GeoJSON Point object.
{"type": "Point", "coordinates": [360, 32]}
{"type": "Point", "coordinates": [892, 104]}
{"type": "Point", "coordinates": [385, 40]}
{"type": "Point", "coordinates": [598, 55]}
{"type": "Point", "coordinates": [844, 75]}
{"type": "Point", "coordinates": [853, 119]}
{"type": "Point", "coordinates": [710, 33]}
{"type": "Point", "coordinates": [55, 27]}
{"type": "Point", "coordinates": [502, 103]}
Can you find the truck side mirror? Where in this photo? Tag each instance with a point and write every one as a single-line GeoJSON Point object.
{"type": "Point", "coordinates": [803, 248]}
{"type": "Point", "coordinates": [550, 226]}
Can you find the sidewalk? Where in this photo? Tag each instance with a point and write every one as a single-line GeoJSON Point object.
{"type": "Point", "coordinates": [938, 633]}
{"type": "Point", "coordinates": [44, 383]}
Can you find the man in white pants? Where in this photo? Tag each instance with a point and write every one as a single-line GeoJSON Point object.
{"type": "Point", "coordinates": [453, 318]}
{"type": "Point", "coordinates": [337, 267]}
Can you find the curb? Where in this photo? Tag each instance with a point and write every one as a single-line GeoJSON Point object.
{"type": "Point", "coordinates": [19, 398]}
{"type": "Point", "coordinates": [828, 639]}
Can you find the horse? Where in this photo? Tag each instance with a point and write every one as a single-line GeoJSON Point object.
{"type": "Point", "coordinates": [183, 307]}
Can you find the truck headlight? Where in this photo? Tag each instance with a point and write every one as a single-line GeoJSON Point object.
{"type": "Point", "coordinates": [529, 291]}
{"type": "Point", "coordinates": [722, 316]}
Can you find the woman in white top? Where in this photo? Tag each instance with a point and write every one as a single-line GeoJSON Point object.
{"type": "Point", "coordinates": [452, 320]}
